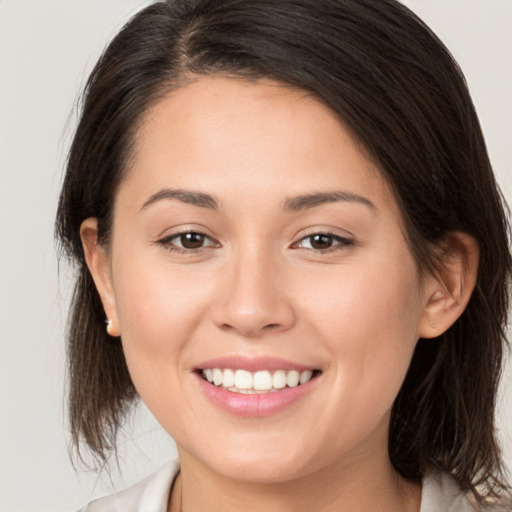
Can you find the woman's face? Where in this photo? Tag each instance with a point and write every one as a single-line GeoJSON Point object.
{"type": "Point", "coordinates": [255, 244]}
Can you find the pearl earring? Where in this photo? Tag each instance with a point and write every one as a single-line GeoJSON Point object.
{"type": "Point", "coordinates": [109, 326]}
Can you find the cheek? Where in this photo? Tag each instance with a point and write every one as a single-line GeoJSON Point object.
{"type": "Point", "coordinates": [159, 308]}
{"type": "Point", "coordinates": [159, 312]}
{"type": "Point", "coordinates": [368, 320]}
{"type": "Point", "coordinates": [367, 304]}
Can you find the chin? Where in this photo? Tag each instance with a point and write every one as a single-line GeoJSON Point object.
{"type": "Point", "coordinates": [259, 463]}
{"type": "Point", "coordinates": [260, 470]}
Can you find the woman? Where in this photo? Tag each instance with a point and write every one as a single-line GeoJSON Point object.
{"type": "Point", "coordinates": [286, 214]}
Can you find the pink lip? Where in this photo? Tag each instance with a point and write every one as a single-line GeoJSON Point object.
{"type": "Point", "coordinates": [252, 364]}
{"type": "Point", "coordinates": [256, 405]}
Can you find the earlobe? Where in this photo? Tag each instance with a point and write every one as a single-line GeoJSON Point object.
{"type": "Point", "coordinates": [98, 263]}
{"type": "Point", "coordinates": [448, 292]}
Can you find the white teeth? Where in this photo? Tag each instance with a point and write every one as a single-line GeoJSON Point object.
{"type": "Point", "coordinates": [262, 381]}
{"type": "Point", "coordinates": [292, 379]}
{"type": "Point", "coordinates": [217, 376]}
{"type": "Point", "coordinates": [279, 379]}
{"type": "Point", "coordinates": [305, 376]}
{"type": "Point", "coordinates": [229, 378]}
{"type": "Point", "coordinates": [242, 381]}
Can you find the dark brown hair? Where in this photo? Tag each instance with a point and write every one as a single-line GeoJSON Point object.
{"type": "Point", "coordinates": [397, 88]}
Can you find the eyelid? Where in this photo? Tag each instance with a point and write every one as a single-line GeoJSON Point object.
{"type": "Point", "coordinates": [343, 241]}
{"type": "Point", "coordinates": [339, 241]}
{"type": "Point", "coordinates": [166, 241]}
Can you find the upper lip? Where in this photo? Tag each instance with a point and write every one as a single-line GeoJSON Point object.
{"type": "Point", "coordinates": [253, 364]}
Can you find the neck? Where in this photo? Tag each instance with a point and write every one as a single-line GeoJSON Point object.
{"type": "Point", "coordinates": [355, 488]}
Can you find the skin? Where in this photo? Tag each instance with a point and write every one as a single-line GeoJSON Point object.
{"type": "Point", "coordinates": [258, 288]}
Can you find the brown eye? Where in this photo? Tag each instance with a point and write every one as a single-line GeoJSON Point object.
{"type": "Point", "coordinates": [320, 241]}
{"type": "Point", "coordinates": [324, 242]}
{"type": "Point", "coordinates": [187, 241]}
{"type": "Point", "coordinates": [191, 240]}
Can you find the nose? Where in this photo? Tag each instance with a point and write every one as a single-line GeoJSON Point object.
{"type": "Point", "coordinates": [252, 302]}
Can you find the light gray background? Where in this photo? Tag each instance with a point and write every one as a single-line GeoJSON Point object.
{"type": "Point", "coordinates": [46, 50]}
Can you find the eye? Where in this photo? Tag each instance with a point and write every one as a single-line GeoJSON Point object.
{"type": "Point", "coordinates": [323, 242]}
{"type": "Point", "coordinates": [187, 241]}
{"type": "Point", "coordinates": [190, 240]}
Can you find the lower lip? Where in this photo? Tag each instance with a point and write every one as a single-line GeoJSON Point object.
{"type": "Point", "coordinates": [256, 405]}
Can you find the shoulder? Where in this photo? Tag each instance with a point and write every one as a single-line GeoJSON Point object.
{"type": "Point", "coordinates": [441, 492]}
{"type": "Point", "coordinates": [148, 495]}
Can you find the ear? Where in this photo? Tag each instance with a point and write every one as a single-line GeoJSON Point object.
{"type": "Point", "coordinates": [447, 292]}
{"type": "Point", "coordinates": [99, 266]}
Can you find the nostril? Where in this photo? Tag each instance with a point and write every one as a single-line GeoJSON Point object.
{"type": "Point", "coordinates": [249, 329]}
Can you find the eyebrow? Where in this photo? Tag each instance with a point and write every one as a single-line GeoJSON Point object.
{"type": "Point", "coordinates": [293, 204]}
{"type": "Point", "coordinates": [305, 202]}
{"type": "Point", "coordinates": [185, 196]}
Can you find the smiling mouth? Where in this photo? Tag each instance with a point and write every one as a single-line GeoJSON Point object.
{"type": "Point", "coordinates": [259, 382]}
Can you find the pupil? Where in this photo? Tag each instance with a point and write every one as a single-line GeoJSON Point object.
{"type": "Point", "coordinates": [321, 241]}
{"type": "Point", "coordinates": [192, 240]}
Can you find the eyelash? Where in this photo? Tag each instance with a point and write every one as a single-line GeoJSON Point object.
{"type": "Point", "coordinates": [168, 244]}
{"type": "Point", "coordinates": [338, 242]}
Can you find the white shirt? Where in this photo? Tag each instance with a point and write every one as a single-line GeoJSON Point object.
{"type": "Point", "coordinates": [439, 494]}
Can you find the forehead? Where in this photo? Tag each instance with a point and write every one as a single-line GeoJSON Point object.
{"type": "Point", "coordinates": [219, 111]}
{"type": "Point", "coordinates": [227, 135]}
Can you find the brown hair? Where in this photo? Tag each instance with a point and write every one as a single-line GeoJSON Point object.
{"type": "Point", "coordinates": [398, 89]}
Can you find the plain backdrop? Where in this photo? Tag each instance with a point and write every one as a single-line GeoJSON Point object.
{"type": "Point", "coordinates": [47, 49]}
